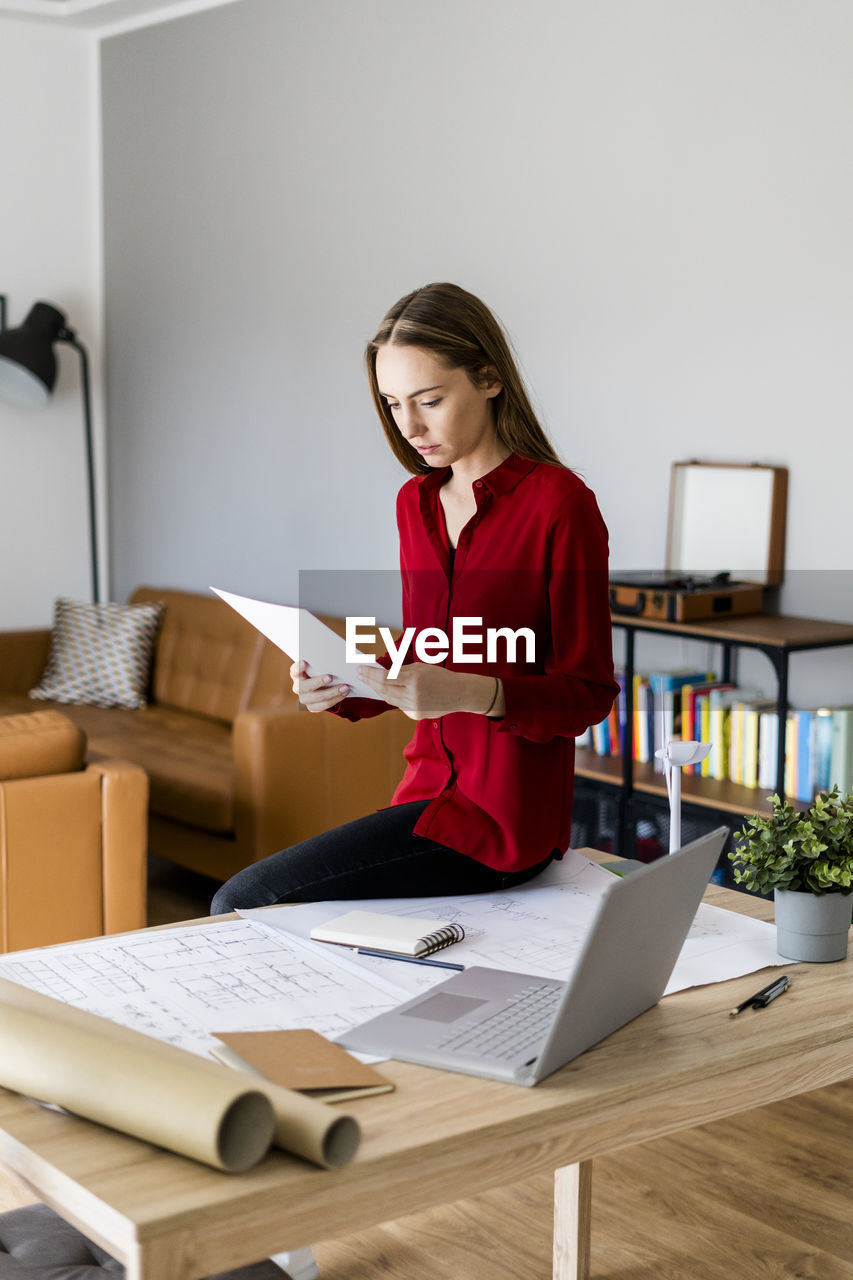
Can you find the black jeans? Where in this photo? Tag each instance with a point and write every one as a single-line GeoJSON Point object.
{"type": "Point", "coordinates": [377, 856]}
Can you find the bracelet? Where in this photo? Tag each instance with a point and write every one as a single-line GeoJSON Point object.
{"type": "Point", "coordinates": [494, 696]}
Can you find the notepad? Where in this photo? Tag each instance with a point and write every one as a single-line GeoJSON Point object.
{"type": "Point", "coordinates": [303, 1060]}
{"type": "Point", "coordinates": [393, 935]}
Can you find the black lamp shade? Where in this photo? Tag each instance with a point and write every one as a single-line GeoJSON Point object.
{"type": "Point", "coordinates": [27, 361]}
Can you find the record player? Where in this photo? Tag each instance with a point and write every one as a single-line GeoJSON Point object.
{"type": "Point", "coordinates": [725, 545]}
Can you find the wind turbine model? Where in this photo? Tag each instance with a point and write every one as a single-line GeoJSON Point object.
{"type": "Point", "coordinates": [675, 756]}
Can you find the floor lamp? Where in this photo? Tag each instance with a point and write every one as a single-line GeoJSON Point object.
{"type": "Point", "coordinates": [28, 376]}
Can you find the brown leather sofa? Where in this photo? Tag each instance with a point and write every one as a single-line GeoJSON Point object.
{"type": "Point", "coordinates": [236, 769]}
{"type": "Point", "coordinates": [72, 836]}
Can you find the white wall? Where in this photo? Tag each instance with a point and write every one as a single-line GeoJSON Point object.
{"type": "Point", "coordinates": [652, 195]}
{"type": "Point", "coordinates": [50, 230]}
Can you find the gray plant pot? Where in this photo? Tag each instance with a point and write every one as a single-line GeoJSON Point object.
{"type": "Point", "coordinates": [812, 926]}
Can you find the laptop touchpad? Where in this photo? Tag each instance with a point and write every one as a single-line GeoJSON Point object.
{"type": "Point", "coordinates": [443, 1007]}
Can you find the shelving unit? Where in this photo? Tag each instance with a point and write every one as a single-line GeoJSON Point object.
{"type": "Point", "coordinates": [774, 635]}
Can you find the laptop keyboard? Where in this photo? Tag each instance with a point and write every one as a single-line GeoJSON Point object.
{"type": "Point", "coordinates": [519, 1026]}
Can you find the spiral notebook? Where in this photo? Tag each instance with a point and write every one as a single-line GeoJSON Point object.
{"type": "Point", "coordinates": [393, 935]}
{"type": "Point", "coordinates": [519, 1027]}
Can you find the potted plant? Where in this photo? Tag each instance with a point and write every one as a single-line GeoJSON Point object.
{"type": "Point", "coordinates": [806, 858]}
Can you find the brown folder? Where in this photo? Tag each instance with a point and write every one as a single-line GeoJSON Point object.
{"type": "Point", "coordinates": [302, 1060]}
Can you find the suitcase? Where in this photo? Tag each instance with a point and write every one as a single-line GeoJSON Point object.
{"type": "Point", "coordinates": [676, 600]}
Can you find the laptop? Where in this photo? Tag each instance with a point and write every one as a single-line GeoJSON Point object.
{"type": "Point", "coordinates": [520, 1028]}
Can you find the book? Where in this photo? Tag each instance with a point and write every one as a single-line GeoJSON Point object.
{"type": "Point", "coordinates": [708, 725]}
{"type": "Point", "coordinates": [719, 700]}
{"type": "Point", "coordinates": [790, 755]}
{"type": "Point", "coordinates": [803, 736]}
{"type": "Point", "coordinates": [392, 935]}
{"type": "Point", "coordinates": [643, 721]}
{"type": "Point", "coordinates": [618, 718]}
{"type": "Point", "coordinates": [601, 737]}
{"type": "Point", "coordinates": [689, 694]}
{"type": "Point", "coordinates": [663, 725]}
{"type": "Point", "coordinates": [751, 716]}
{"type": "Point", "coordinates": [703, 717]}
{"type": "Point", "coordinates": [303, 1060]}
{"type": "Point", "coordinates": [635, 701]}
{"type": "Point", "coordinates": [739, 703]}
{"type": "Point", "coordinates": [736, 742]}
{"type": "Point", "coordinates": [821, 749]}
{"type": "Point", "coordinates": [666, 689]}
{"type": "Point", "coordinates": [841, 754]}
{"type": "Point", "coordinates": [768, 749]}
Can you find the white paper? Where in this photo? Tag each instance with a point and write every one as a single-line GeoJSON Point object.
{"type": "Point", "coordinates": [184, 984]}
{"type": "Point", "coordinates": [299, 634]}
{"type": "Point", "coordinates": [539, 929]}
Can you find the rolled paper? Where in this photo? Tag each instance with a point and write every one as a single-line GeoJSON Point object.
{"type": "Point", "coordinates": [157, 1091]}
{"type": "Point", "coordinates": [303, 1125]}
{"type": "Point", "coordinates": [310, 1128]}
{"type": "Point", "coordinates": [164, 1100]}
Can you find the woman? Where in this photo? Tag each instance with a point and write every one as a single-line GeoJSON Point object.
{"type": "Point", "coordinates": [495, 530]}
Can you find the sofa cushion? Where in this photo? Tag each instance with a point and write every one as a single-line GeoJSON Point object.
{"type": "Point", "coordinates": [188, 759]}
{"type": "Point", "coordinates": [100, 654]}
{"type": "Point", "coordinates": [39, 743]}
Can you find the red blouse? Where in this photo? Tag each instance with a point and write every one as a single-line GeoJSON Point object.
{"type": "Point", "coordinates": [533, 555]}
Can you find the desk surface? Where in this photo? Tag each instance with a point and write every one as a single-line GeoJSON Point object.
{"type": "Point", "coordinates": [439, 1135]}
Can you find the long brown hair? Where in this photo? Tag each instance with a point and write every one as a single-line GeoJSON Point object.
{"type": "Point", "coordinates": [460, 330]}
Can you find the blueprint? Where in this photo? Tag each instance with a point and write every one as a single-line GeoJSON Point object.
{"type": "Point", "coordinates": [183, 984]}
{"type": "Point", "coordinates": [539, 928]}
{"type": "Point", "coordinates": [261, 972]}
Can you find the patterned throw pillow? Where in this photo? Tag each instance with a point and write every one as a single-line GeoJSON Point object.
{"type": "Point", "coordinates": [100, 654]}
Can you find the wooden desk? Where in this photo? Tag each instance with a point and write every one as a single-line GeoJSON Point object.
{"type": "Point", "coordinates": [440, 1137]}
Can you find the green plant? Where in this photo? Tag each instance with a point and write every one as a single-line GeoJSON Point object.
{"type": "Point", "coordinates": [809, 852]}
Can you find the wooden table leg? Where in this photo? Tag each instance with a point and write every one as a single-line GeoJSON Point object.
{"type": "Point", "coordinates": [572, 1221]}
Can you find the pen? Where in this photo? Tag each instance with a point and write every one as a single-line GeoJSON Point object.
{"type": "Point", "coordinates": [385, 955]}
{"type": "Point", "coordinates": [762, 998]}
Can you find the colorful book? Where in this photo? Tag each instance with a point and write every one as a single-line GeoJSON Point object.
{"type": "Point", "coordinates": [641, 702]}
{"type": "Point", "coordinates": [613, 729]}
{"type": "Point", "coordinates": [667, 707]}
{"type": "Point", "coordinates": [726, 730]}
{"type": "Point", "coordinates": [768, 749]}
{"type": "Point", "coordinates": [644, 712]}
{"type": "Point", "coordinates": [751, 714]}
{"type": "Point", "coordinates": [736, 742]}
{"type": "Point", "coordinates": [841, 754]}
{"type": "Point", "coordinates": [821, 750]}
{"type": "Point", "coordinates": [693, 729]}
{"type": "Point", "coordinates": [601, 738]}
{"type": "Point", "coordinates": [705, 731]}
{"type": "Point", "coordinates": [689, 694]}
{"type": "Point", "coordinates": [803, 742]}
{"type": "Point", "coordinates": [621, 705]}
{"type": "Point", "coordinates": [720, 698]}
{"type": "Point", "coordinates": [790, 755]}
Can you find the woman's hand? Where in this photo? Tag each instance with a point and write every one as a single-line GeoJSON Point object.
{"type": "Point", "coordinates": [423, 691]}
{"type": "Point", "coordinates": [317, 693]}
